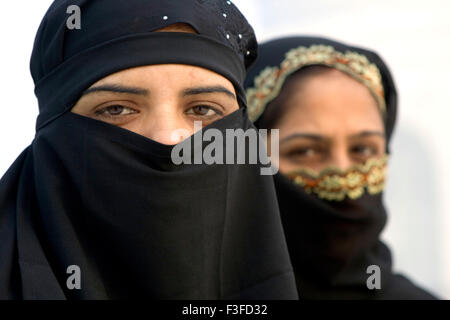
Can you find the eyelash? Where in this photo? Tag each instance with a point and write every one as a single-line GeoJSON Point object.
{"type": "Point", "coordinates": [301, 153]}
{"type": "Point", "coordinates": [215, 110]}
{"type": "Point", "coordinates": [358, 148]}
{"type": "Point", "coordinates": [103, 112]}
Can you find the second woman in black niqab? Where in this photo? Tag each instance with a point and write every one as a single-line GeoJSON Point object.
{"type": "Point", "coordinates": [332, 218]}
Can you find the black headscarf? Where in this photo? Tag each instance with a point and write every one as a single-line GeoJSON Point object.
{"type": "Point", "coordinates": [111, 202]}
{"type": "Point", "coordinates": [332, 243]}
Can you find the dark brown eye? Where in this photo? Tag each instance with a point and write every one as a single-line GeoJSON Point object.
{"type": "Point", "coordinates": [116, 110]}
{"type": "Point", "coordinates": [303, 152]}
{"type": "Point", "coordinates": [305, 155]}
{"type": "Point", "coordinates": [202, 111]}
{"type": "Point", "coordinates": [362, 150]}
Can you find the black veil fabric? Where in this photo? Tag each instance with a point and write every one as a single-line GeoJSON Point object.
{"type": "Point", "coordinates": [111, 202]}
{"type": "Point", "coordinates": [332, 243]}
{"type": "Point", "coordinates": [116, 35]}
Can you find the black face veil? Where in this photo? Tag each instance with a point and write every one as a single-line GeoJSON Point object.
{"type": "Point", "coordinates": [93, 196]}
{"type": "Point", "coordinates": [332, 243]}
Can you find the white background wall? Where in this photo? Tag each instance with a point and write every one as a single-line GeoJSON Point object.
{"type": "Point", "coordinates": [414, 38]}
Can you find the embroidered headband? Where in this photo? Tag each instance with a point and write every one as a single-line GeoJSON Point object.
{"type": "Point", "coordinates": [268, 83]}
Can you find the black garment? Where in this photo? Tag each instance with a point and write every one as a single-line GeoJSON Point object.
{"type": "Point", "coordinates": [117, 35]}
{"type": "Point", "coordinates": [107, 200]}
{"type": "Point", "coordinates": [331, 243]}
{"type": "Point", "coordinates": [110, 201]}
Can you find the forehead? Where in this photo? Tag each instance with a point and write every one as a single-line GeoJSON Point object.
{"type": "Point", "coordinates": [329, 103]}
{"type": "Point", "coordinates": [163, 74]}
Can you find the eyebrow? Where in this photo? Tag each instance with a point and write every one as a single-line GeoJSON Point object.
{"type": "Point", "coordinates": [310, 136]}
{"type": "Point", "coordinates": [139, 91]}
{"type": "Point", "coordinates": [318, 137]}
{"type": "Point", "coordinates": [117, 89]}
{"type": "Point", "coordinates": [368, 133]}
{"type": "Point", "coordinates": [209, 89]}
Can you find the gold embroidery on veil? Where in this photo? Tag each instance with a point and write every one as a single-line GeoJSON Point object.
{"type": "Point", "coordinates": [335, 184]}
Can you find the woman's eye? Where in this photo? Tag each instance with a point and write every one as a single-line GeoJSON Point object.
{"type": "Point", "coordinates": [204, 111]}
{"type": "Point", "coordinates": [303, 152]}
{"type": "Point", "coordinates": [114, 111]}
{"type": "Point", "coordinates": [364, 151]}
{"type": "Point", "coordinates": [307, 156]}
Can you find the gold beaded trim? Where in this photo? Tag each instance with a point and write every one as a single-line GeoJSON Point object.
{"type": "Point", "coordinates": [335, 184]}
{"type": "Point", "coordinates": [269, 82]}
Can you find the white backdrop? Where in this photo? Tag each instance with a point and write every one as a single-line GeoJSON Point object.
{"type": "Point", "coordinates": [414, 38]}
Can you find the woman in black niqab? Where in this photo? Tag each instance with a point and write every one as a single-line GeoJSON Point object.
{"type": "Point", "coordinates": [332, 219]}
{"type": "Point", "coordinates": [93, 197]}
